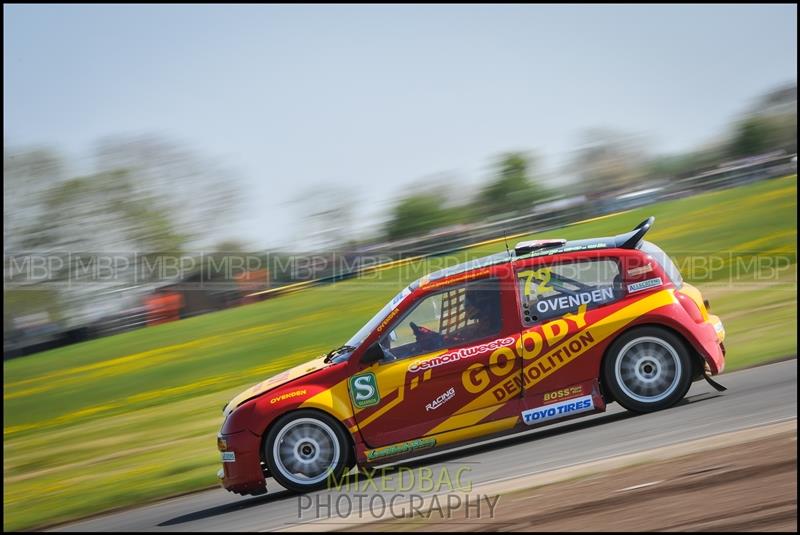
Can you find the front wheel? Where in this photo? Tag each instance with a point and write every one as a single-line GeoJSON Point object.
{"type": "Point", "coordinates": [648, 369]}
{"type": "Point", "coordinates": [303, 448]}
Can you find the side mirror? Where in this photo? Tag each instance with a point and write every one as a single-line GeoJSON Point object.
{"type": "Point", "coordinates": [373, 354]}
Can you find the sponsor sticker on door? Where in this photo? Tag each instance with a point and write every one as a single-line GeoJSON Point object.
{"type": "Point", "coordinates": [441, 400]}
{"type": "Point", "coordinates": [364, 390]}
{"type": "Point", "coordinates": [644, 285]}
{"type": "Point", "coordinates": [561, 409]}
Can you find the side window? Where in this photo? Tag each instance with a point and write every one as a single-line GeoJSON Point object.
{"type": "Point", "coordinates": [666, 262]}
{"type": "Point", "coordinates": [547, 292]}
{"type": "Point", "coordinates": [453, 317]}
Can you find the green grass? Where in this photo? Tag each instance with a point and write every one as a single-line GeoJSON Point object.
{"type": "Point", "coordinates": [131, 418]}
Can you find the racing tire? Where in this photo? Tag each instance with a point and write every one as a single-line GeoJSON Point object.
{"type": "Point", "coordinates": [647, 369]}
{"type": "Point", "coordinates": [303, 447]}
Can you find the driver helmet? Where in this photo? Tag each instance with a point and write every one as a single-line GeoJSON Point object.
{"type": "Point", "coordinates": [477, 302]}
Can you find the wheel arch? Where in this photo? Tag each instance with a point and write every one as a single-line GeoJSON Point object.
{"type": "Point", "coordinates": [696, 358]}
{"type": "Point", "coordinates": [351, 450]}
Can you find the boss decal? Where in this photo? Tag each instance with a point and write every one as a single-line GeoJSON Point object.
{"type": "Point", "coordinates": [564, 393]}
{"type": "Point", "coordinates": [463, 353]}
{"type": "Point", "coordinates": [558, 410]}
{"type": "Point", "coordinates": [643, 285]}
{"type": "Point", "coordinates": [364, 390]}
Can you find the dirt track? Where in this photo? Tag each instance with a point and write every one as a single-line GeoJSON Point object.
{"type": "Point", "coordinates": [749, 487]}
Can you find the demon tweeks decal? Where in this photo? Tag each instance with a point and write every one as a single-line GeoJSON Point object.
{"type": "Point", "coordinates": [458, 354]}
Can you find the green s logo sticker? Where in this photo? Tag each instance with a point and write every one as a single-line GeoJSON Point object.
{"type": "Point", "coordinates": [364, 390]}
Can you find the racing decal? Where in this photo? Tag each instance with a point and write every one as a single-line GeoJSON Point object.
{"type": "Point", "coordinates": [397, 449]}
{"type": "Point", "coordinates": [463, 353]}
{"type": "Point", "coordinates": [364, 390]}
{"type": "Point", "coordinates": [288, 395]}
{"type": "Point", "coordinates": [568, 302]}
{"type": "Point", "coordinates": [441, 400]}
{"type": "Point", "coordinates": [643, 285]}
{"type": "Point", "coordinates": [558, 410]}
{"type": "Point", "coordinates": [564, 393]}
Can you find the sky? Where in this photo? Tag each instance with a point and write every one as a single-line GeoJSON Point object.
{"type": "Point", "coordinates": [374, 99]}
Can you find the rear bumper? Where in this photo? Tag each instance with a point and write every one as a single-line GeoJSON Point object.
{"type": "Point", "coordinates": [241, 470]}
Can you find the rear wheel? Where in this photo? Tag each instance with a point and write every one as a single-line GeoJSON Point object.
{"type": "Point", "coordinates": [648, 369]}
{"type": "Point", "coordinates": [303, 448]}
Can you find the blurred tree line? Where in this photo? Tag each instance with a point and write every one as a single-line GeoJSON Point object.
{"type": "Point", "coordinates": [604, 163]}
{"type": "Point", "coordinates": [145, 193]}
{"type": "Point", "coordinates": [512, 189]}
{"type": "Point", "coordinates": [152, 194]}
{"type": "Point", "coordinates": [142, 194]}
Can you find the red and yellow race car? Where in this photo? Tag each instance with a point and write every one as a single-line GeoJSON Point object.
{"type": "Point", "coordinates": [552, 330]}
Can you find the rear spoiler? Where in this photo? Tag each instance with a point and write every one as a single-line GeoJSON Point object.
{"type": "Point", "coordinates": [632, 239]}
{"type": "Point", "coordinates": [628, 240]}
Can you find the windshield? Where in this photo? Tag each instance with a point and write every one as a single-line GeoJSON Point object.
{"type": "Point", "coordinates": [370, 326]}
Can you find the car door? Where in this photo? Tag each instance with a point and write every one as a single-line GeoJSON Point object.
{"type": "Point", "coordinates": [557, 302]}
{"type": "Point", "coordinates": [419, 388]}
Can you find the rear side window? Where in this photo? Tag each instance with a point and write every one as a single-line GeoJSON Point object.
{"type": "Point", "coordinates": [547, 292]}
{"type": "Point", "coordinates": [664, 260]}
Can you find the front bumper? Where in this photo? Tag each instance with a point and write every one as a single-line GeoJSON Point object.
{"type": "Point", "coordinates": [241, 470]}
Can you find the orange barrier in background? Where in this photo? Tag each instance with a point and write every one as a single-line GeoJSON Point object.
{"type": "Point", "coordinates": [163, 307]}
